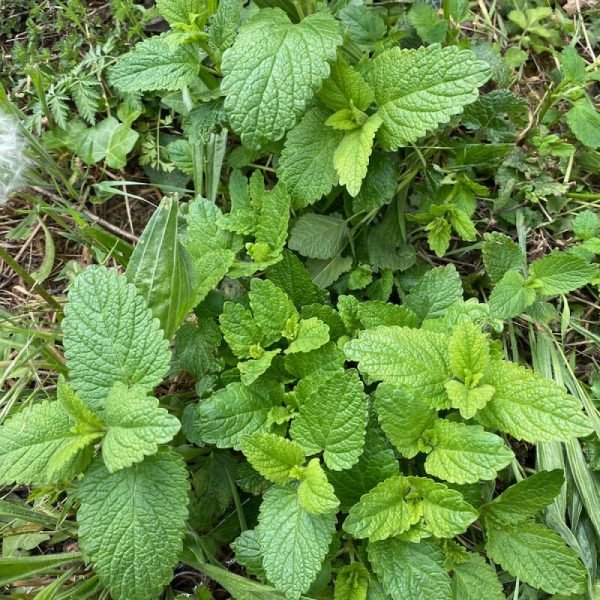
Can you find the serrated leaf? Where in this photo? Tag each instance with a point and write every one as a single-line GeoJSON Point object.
{"type": "Point", "coordinates": [196, 348]}
{"type": "Point", "coordinates": [333, 419]}
{"type": "Point", "coordinates": [468, 351]}
{"type": "Point", "coordinates": [475, 579]}
{"type": "Point", "coordinates": [236, 411]}
{"type": "Point", "coordinates": [306, 162]}
{"type": "Point", "coordinates": [584, 121]}
{"type": "Point", "coordinates": [352, 583]}
{"type": "Point", "coordinates": [156, 64]}
{"type": "Point", "coordinates": [324, 361]}
{"type": "Point", "coordinates": [438, 289]}
{"type": "Point", "coordinates": [430, 28]}
{"type": "Point", "coordinates": [315, 493]}
{"type": "Point", "coordinates": [439, 234]}
{"type": "Point", "coordinates": [77, 409]}
{"type": "Point", "coordinates": [465, 453]}
{"type": "Point", "coordinates": [311, 334]}
{"type": "Point", "coordinates": [351, 157]}
{"type": "Point", "coordinates": [345, 86]}
{"type": "Point", "coordinates": [131, 523]}
{"type": "Point", "coordinates": [525, 498]}
{"type": "Point", "coordinates": [408, 571]}
{"type": "Point", "coordinates": [272, 71]}
{"type": "Point", "coordinates": [292, 277]}
{"type": "Point", "coordinates": [293, 541]}
{"type": "Point", "coordinates": [178, 11]}
{"type": "Point", "coordinates": [364, 26]}
{"type": "Point", "coordinates": [531, 407]}
{"type": "Point", "coordinates": [416, 359]}
{"type": "Point", "coordinates": [404, 418]}
{"type": "Point", "coordinates": [248, 553]}
{"type": "Point", "coordinates": [109, 140]}
{"type": "Point", "coordinates": [537, 556]}
{"type": "Point", "coordinates": [318, 236]}
{"type": "Point", "coordinates": [417, 90]}
{"type": "Point", "coordinates": [272, 456]}
{"type": "Point", "coordinates": [384, 512]}
{"type": "Point", "coordinates": [379, 185]}
{"type": "Point", "coordinates": [135, 427]}
{"type": "Point", "coordinates": [223, 26]}
{"type": "Point", "coordinates": [374, 313]}
{"type": "Point", "coordinates": [110, 335]}
{"type": "Point", "coordinates": [326, 272]}
{"type": "Point", "coordinates": [586, 224]}
{"type": "Point", "coordinates": [240, 329]}
{"type": "Point", "coordinates": [510, 297]}
{"type": "Point", "coordinates": [560, 273]}
{"type": "Point", "coordinates": [501, 254]}
{"type": "Point", "coordinates": [251, 370]}
{"type": "Point", "coordinates": [468, 400]}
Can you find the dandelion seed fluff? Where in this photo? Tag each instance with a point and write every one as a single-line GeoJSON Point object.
{"type": "Point", "coordinates": [13, 161]}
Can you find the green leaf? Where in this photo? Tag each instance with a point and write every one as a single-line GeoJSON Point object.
{"type": "Point", "coordinates": [462, 224]}
{"type": "Point", "coordinates": [324, 361]}
{"type": "Point", "coordinates": [475, 579]}
{"type": "Point", "coordinates": [248, 553]}
{"type": "Point", "coordinates": [586, 224]}
{"type": "Point", "coordinates": [439, 234]}
{"type": "Point", "coordinates": [351, 583]}
{"type": "Point", "coordinates": [109, 140]}
{"type": "Point", "coordinates": [379, 185]}
{"type": "Point", "coordinates": [251, 370]}
{"type": "Point", "coordinates": [384, 512]}
{"type": "Point", "coordinates": [196, 348]}
{"type": "Point", "coordinates": [131, 523]}
{"type": "Point", "coordinates": [292, 277]}
{"type": "Point", "coordinates": [318, 236]}
{"type": "Point", "coordinates": [417, 90]}
{"type": "Point", "coordinates": [510, 297]}
{"type": "Point", "coordinates": [465, 453]}
{"type": "Point", "coordinates": [161, 269]}
{"type": "Point", "coordinates": [223, 26]}
{"type": "Point", "coordinates": [537, 556]}
{"type": "Point", "coordinates": [240, 329]}
{"type": "Point", "coordinates": [272, 71]}
{"type": "Point", "coordinates": [438, 289]}
{"type": "Point", "coordinates": [430, 28]}
{"type": "Point", "coordinates": [415, 359]}
{"type": "Point", "coordinates": [135, 427]}
{"type": "Point", "coordinates": [86, 420]}
{"type": "Point", "coordinates": [409, 571]}
{"type": "Point", "coordinates": [530, 407]}
{"type": "Point", "coordinates": [468, 400]}
{"type": "Point", "coordinates": [315, 493]}
{"type": "Point", "coordinates": [178, 11]}
{"type": "Point", "coordinates": [156, 64]}
{"type": "Point", "coordinates": [311, 334]}
{"type": "Point", "coordinates": [326, 272]}
{"type": "Point", "coordinates": [272, 456]}
{"type": "Point", "coordinates": [584, 121]}
{"type": "Point", "coordinates": [306, 162]}
{"type": "Point", "coordinates": [560, 273]}
{"type": "Point", "coordinates": [110, 335]}
{"type": "Point", "coordinates": [351, 157]}
{"type": "Point", "coordinates": [233, 412]}
{"type": "Point", "coordinates": [404, 418]}
{"type": "Point", "coordinates": [468, 351]}
{"type": "Point", "coordinates": [500, 255]}
{"type": "Point", "coordinates": [364, 26]}
{"type": "Point", "coordinates": [333, 419]}
{"type": "Point", "coordinates": [345, 87]}
{"type": "Point", "coordinates": [293, 541]}
{"type": "Point", "coordinates": [24, 567]}
{"type": "Point", "coordinates": [525, 499]}
{"type": "Point", "coordinates": [374, 313]}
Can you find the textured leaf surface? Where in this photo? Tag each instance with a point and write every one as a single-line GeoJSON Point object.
{"type": "Point", "coordinates": [311, 334]}
{"type": "Point", "coordinates": [251, 370]}
{"type": "Point", "coordinates": [273, 311]}
{"type": "Point", "coordinates": [315, 493]}
{"type": "Point", "coordinates": [465, 453]}
{"type": "Point", "coordinates": [272, 455]}
{"type": "Point", "coordinates": [407, 357]}
{"type": "Point", "coordinates": [318, 236]}
{"type": "Point", "coordinates": [293, 541]}
{"type": "Point", "coordinates": [352, 583]}
{"type": "Point", "coordinates": [345, 85]}
{"type": "Point", "coordinates": [501, 254]}
{"type": "Point", "coordinates": [239, 328]}
{"type": "Point", "coordinates": [437, 290]}
{"type": "Point", "coordinates": [333, 419]}
{"type": "Point", "coordinates": [410, 571]}
{"type": "Point", "coordinates": [417, 90]}
{"type": "Point", "coordinates": [510, 297]}
{"type": "Point", "coordinates": [475, 579]}
{"type": "Point", "coordinates": [131, 523]}
{"type": "Point", "coordinates": [468, 351]}
{"type": "Point", "coordinates": [468, 400]}
{"type": "Point", "coordinates": [178, 11]}
{"type": "Point", "coordinates": [561, 273]}
{"type": "Point", "coordinates": [584, 121]}
{"type": "Point", "coordinates": [530, 407]}
{"type": "Point", "coordinates": [136, 425]}
{"type": "Point", "coordinates": [272, 71]}
{"type": "Point", "coordinates": [537, 556]}
{"type": "Point", "coordinates": [110, 335]}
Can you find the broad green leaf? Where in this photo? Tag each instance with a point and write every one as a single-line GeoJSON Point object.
{"type": "Point", "coordinates": [223, 27]}
{"type": "Point", "coordinates": [530, 407]}
{"type": "Point", "coordinates": [384, 512]}
{"type": "Point", "coordinates": [273, 311]}
{"type": "Point", "coordinates": [430, 28]}
{"type": "Point", "coordinates": [364, 26]}
{"type": "Point", "coordinates": [468, 400]}
{"type": "Point", "coordinates": [468, 352]}
{"type": "Point", "coordinates": [318, 236]}
{"type": "Point", "coordinates": [586, 224]}
{"type": "Point", "coordinates": [272, 71]}
{"type": "Point", "coordinates": [560, 273]}
{"type": "Point", "coordinates": [156, 64]}
{"type": "Point", "coordinates": [233, 412]}
{"type": "Point", "coordinates": [251, 370]}
{"type": "Point", "coordinates": [248, 553]}
{"type": "Point", "coordinates": [409, 571]}
{"type": "Point", "coordinates": [417, 90]}
{"type": "Point", "coordinates": [293, 541]}
{"type": "Point", "coordinates": [351, 583]}
{"type": "Point", "coordinates": [510, 297]}
{"type": "Point", "coordinates": [306, 162]}
{"type": "Point", "coordinates": [414, 359]}
{"type": "Point", "coordinates": [161, 269]}
{"type": "Point", "coordinates": [292, 277]}
{"type": "Point", "coordinates": [86, 420]}
{"type": "Point", "coordinates": [311, 334]}
{"type": "Point", "coordinates": [404, 418]}
{"type": "Point", "coordinates": [196, 348]}
{"type": "Point", "coordinates": [374, 313]}
{"type": "Point", "coordinates": [135, 427]}
{"type": "Point", "coordinates": [240, 329]}
{"type": "Point", "coordinates": [315, 493]}
{"type": "Point", "coordinates": [584, 121]}
{"type": "Point", "coordinates": [351, 157]}
{"type": "Point", "coordinates": [379, 185]}
{"type": "Point", "coordinates": [131, 523]}
{"type": "Point", "coordinates": [445, 511]}
{"type": "Point", "coordinates": [272, 456]}
{"type": "Point", "coordinates": [324, 361]}
{"type": "Point", "coordinates": [439, 234]}
{"type": "Point", "coordinates": [333, 419]}
{"type": "Point", "coordinates": [178, 11]}
{"type": "Point", "coordinates": [465, 453]}
{"type": "Point", "coordinates": [345, 86]}
{"type": "Point", "coordinates": [110, 335]}
{"type": "Point", "coordinates": [525, 499]}
{"type": "Point", "coordinates": [438, 289]}
{"type": "Point", "coordinates": [537, 556]}
{"type": "Point", "coordinates": [500, 254]}
{"type": "Point", "coordinates": [326, 272]}
{"type": "Point", "coordinates": [475, 579]}
{"type": "Point", "coordinates": [109, 140]}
